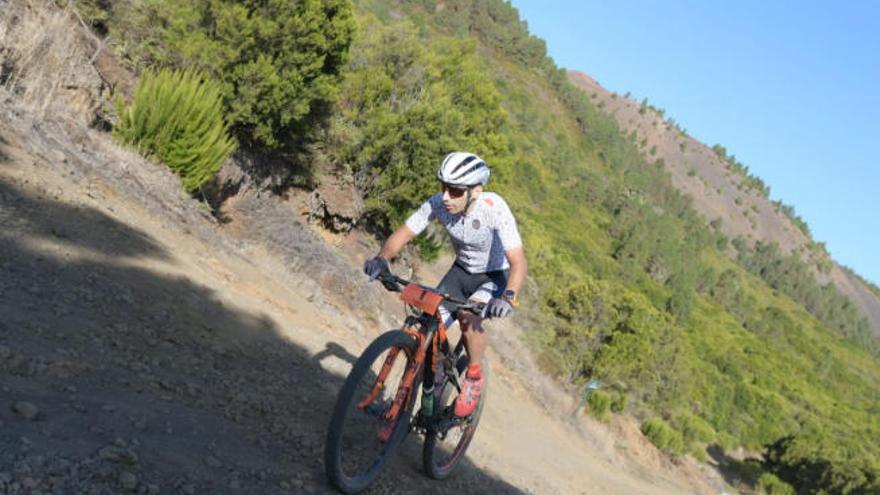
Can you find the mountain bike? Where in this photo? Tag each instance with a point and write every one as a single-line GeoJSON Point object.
{"type": "Point", "coordinates": [374, 409]}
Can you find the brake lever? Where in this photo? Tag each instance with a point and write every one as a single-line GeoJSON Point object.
{"type": "Point", "coordinates": [390, 285]}
{"type": "Point", "coordinates": [478, 309]}
{"type": "Point", "coordinates": [388, 281]}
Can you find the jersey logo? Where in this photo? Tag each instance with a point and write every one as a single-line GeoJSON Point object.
{"type": "Point", "coordinates": [489, 202]}
{"type": "Point", "coordinates": [476, 224]}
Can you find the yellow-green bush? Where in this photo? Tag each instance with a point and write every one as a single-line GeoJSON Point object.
{"type": "Point", "coordinates": [177, 117]}
{"type": "Point", "coordinates": [771, 485]}
{"type": "Point", "coordinates": [695, 428]}
{"type": "Point", "coordinates": [698, 452]}
{"type": "Point", "coordinates": [600, 403]}
{"type": "Point", "coordinates": [618, 402]}
{"type": "Point", "coordinates": [663, 436]}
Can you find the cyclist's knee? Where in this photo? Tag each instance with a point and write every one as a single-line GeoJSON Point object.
{"type": "Point", "coordinates": [469, 321]}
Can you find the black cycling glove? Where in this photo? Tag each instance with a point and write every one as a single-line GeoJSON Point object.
{"type": "Point", "coordinates": [375, 267]}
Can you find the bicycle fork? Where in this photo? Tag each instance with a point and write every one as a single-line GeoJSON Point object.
{"type": "Point", "coordinates": [406, 384]}
{"type": "Point", "coordinates": [380, 380]}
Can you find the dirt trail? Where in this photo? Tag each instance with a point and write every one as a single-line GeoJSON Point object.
{"type": "Point", "coordinates": [145, 349]}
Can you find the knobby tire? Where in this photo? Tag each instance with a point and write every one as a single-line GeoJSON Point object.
{"type": "Point", "coordinates": [344, 438]}
{"type": "Point", "coordinates": [440, 457]}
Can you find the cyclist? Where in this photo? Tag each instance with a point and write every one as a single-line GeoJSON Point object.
{"type": "Point", "coordinates": [489, 266]}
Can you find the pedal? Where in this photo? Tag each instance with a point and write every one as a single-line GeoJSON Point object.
{"type": "Point", "coordinates": [420, 424]}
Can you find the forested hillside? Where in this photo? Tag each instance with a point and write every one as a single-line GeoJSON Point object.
{"type": "Point", "coordinates": [737, 203]}
{"type": "Point", "coordinates": [629, 285]}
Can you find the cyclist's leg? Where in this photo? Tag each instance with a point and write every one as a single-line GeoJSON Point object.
{"type": "Point", "coordinates": [480, 287]}
{"type": "Point", "coordinates": [491, 285]}
{"type": "Point", "coordinates": [454, 283]}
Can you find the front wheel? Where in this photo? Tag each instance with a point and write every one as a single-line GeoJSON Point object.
{"type": "Point", "coordinates": [444, 449]}
{"type": "Point", "coordinates": [360, 438]}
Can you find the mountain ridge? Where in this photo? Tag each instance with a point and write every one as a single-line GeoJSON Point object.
{"type": "Point", "coordinates": [719, 192]}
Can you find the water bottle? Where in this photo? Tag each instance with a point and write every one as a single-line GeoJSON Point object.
{"type": "Point", "coordinates": [428, 401]}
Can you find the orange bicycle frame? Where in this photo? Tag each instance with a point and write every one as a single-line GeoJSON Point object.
{"type": "Point", "coordinates": [429, 302]}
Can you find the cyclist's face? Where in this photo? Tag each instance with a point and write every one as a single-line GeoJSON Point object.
{"type": "Point", "coordinates": [454, 198]}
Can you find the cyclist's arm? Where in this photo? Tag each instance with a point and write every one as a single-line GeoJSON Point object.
{"type": "Point", "coordinates": [395, 242]}
{"type": "Point", "coordinates": [518, 268]}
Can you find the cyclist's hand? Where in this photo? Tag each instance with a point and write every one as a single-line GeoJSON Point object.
{"type": "Point", "coordinates": [375, 267]}
{"type": "Point", "coordinates": [499, 308]}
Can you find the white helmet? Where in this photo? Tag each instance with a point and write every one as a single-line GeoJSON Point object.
{"type": "Point", "coordinates": [463, 170]}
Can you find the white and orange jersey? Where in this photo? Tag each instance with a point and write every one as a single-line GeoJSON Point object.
{"type": "Point", "coordinates": [480, 237]}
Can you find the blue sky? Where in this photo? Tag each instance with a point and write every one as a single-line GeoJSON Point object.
{"type": "Point", "coordinates": [790, 88]}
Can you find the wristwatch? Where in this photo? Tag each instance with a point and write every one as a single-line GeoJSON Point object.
{"type": "Point", "coordinates": [510, 296]}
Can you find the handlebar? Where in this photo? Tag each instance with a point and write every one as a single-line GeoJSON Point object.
{"type": "Point", "coordinates": [395, 284]}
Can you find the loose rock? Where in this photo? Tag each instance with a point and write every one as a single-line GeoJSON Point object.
{"type": "Point", "coordinates": [128, 480]}
{"type": "Point", "coordinates": [119, 455]}
{"type": "Point", "coordinates": [26, 410]}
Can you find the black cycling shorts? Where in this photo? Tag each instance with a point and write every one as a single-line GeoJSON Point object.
{"type": "Point", "coordinates": [461, 284]}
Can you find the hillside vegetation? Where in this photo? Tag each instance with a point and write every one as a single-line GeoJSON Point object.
{"type": "Point", "coordinates": [736, 201]}
{"type": "Point", "coordinates": [631, 285]}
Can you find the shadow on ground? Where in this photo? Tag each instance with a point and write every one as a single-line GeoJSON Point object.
{"type": "Point", "coordinates": [208, 398]}
{"type": "Point", "coordinates": [735, 472]}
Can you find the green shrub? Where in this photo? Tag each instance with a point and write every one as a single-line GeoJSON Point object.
{"type": "Point", "coordinates": [726, 441]}
{"type": "Point", "coordinates": [663, 436]}
{"type": "Point", "coordinates": [698, 452]}
{"type": "Point", "coordinates": [825, 459]}
{"type": "Point", "coordinates": [792, 276]}
{"type": "Point", "coordinates": [93, 12]}
{"type": "Point", "coordinates": [771, 485]}
{"type": "Point", "coordinates": [618, 402]}
{"type": "Point", "coordinates": [278, 62]}
{"type": "Point", "coordinates": [177, 117]}
{"type": "Point", "coordinates": [695, 428]}
{"type": "Point", "coordinates": [600, 403]}
{"type": "Point", "coordinates": [412, 103]}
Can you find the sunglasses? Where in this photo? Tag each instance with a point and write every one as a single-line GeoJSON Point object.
{"type": "Point", "coordinates": [454, 192]}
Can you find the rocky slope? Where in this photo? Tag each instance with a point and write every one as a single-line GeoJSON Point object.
{"type": "Point", "coordinates": [719, 193]}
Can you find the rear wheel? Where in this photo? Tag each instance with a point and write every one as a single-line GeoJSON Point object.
{"type": "Point", "coordinates": [360, 439]}
{"type": "Point", "coordinates": [443, 451]}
